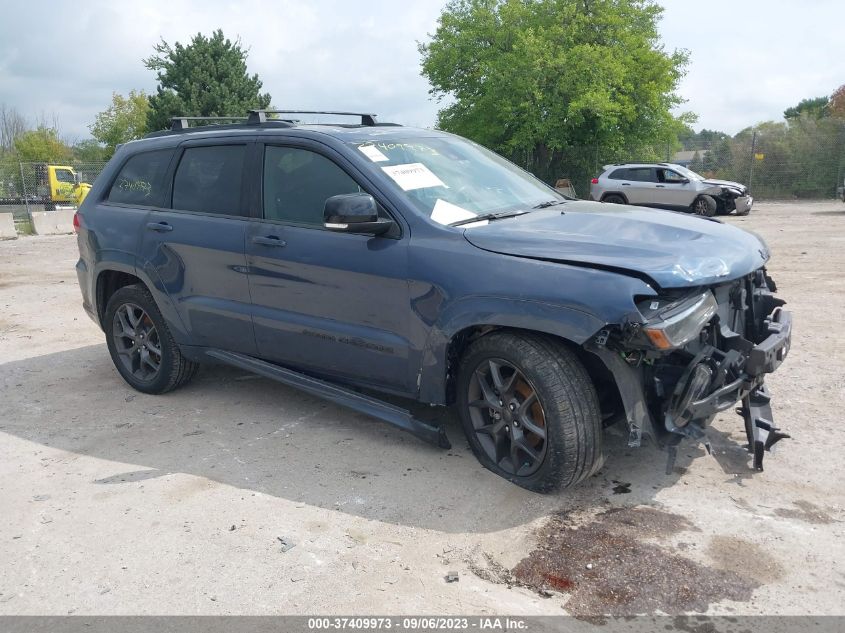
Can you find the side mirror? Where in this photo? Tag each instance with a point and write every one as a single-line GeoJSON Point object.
{"type": "Point", "coordinates": [354, 213]}
{"type": "Point", "coordinates": [75, 178]}
{"type": "Point", "coordinates": [684, 181]}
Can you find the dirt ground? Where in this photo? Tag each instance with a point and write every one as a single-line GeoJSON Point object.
{"type": "Point", "coordinates": [114, 502]}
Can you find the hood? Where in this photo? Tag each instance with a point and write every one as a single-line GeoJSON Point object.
{"type": "Point", "coordinates": [725, 183]}
{"type": "Point", "coordinates": [674, 250]}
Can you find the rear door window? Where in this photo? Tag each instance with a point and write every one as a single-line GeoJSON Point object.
{"type": "Point", "coordinates": [641, 174]}
{"type": "Point", "coordinates": [209, 180]}
{"type": "Point", "coordinates": [141, 180]}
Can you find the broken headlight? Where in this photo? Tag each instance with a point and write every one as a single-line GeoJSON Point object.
{"type": "Point", "coordinates": [673, 324]}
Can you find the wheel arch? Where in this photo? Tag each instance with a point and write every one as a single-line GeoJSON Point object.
{"type": "Point", "coordinates": [109, 281]}
{"type": "Point", "coordinates": [111, 276]}
{"type": "Point", "coordinates": [465, 323]}
{"type": "Point", "coordinates": [614, 193]}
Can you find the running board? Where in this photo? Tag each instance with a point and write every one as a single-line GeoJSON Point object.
{"type": "Point", "coordinates": [387, 412]}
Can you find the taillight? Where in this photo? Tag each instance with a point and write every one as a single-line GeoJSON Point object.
{"type": "Point", "coordinates": [76, 223]}
{"type": "Point", "coordinates": [594, 181]}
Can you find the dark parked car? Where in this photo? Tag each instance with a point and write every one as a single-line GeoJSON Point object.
{"type": "Point", "coordinates": [362, 258]}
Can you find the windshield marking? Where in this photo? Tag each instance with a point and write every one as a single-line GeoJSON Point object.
{"type": "Point", "coordinates": [445, 213]}
{"type": "Point", "coordinates": [413, 176]}
{"type": "Point", "coordinates": [373, 153]}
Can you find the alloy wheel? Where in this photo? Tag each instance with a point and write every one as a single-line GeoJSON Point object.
{"type": "Point", "coordinates": [507, 416]}
{"type": "Point", "coordinates": [136, 341]}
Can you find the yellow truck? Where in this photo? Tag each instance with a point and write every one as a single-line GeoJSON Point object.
{"type": "Point", "coordinates": [60, 185]}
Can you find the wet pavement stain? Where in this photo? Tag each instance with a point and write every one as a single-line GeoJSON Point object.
{"type": "Point", "coordinates": [807, 512]}
{"type": "Point", "coordinates": [743, 557]}
{"type": "Point", "coordinates": [621, 487]}
{"type": "Point", "coordinates": [608, 567]}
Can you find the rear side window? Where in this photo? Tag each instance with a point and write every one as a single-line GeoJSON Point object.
{"type": "Point", "coordinates": [641, 174]}
{"type": "Point", "coordinates": [141, 180]}
{"type": "Point", "coordinates": [618, 174]}
{"type": "Point", "coordinates": [208, 179]}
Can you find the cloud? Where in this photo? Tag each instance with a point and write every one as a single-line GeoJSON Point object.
{"type": "Point", "coordinates": [749, 60]}
{"type": "Point", "coordinates": [318, 55]}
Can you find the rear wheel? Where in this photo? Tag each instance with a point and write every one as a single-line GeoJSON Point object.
{"type": "Point", "coordinates": [141, 345]}
{"type": "Point", "coordinates": [613, 198]}
{"type": "Point", "coordinates": [704, 205]}
{"type": "Point", "coordinates": [529, 410]}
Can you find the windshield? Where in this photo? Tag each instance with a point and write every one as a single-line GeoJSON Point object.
{"type": "Point", "coordinates": [451, 179]}
{"type": "Point", "coordinates": [689, 173]}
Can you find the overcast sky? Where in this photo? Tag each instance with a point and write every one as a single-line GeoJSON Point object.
{"type": "Point", "coordinates": [750, 59]}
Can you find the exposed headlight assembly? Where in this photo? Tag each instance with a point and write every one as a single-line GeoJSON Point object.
{"type": "Point", "coordinates": [680, 322]}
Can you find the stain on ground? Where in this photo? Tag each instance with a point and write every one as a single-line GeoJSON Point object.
{"type": "Point", "coordinates": [608, 566]}
{"type": "Point", "coordinates": [743, 557]}
{"type": "Point", "coordinates": [621, 487]}
{"type": "Point", "coordinates": [807, 512]}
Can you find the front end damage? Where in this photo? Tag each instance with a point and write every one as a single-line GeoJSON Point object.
{"type": "Point", "coordinates": [730, 196]}
{"type": "Point", "coordinates": [695, 353]}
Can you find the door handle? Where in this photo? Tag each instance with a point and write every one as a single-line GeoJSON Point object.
{"type": "Point", "coordinates": [626, 184]}
{"type": "Point", "coordinates": [161, 227]}
{"type": "Point", "coordinates": [270, 240]}
{"type": "Point", "coordinates": [661, 186]}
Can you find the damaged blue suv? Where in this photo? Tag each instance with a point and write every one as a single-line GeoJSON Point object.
{"type": "Point", "coordinates": [369, 260]}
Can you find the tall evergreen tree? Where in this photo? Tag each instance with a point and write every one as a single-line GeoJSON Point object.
{"type": "Point", "coordinates": [208, 77]}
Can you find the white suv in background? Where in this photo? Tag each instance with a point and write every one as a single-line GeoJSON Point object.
{"type": "Point", "coordinates": [668, 186]}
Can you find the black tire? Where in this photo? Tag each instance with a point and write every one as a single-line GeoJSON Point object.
{"type": "Point", "coordinates": [704, 205]}
{"type": "Point", "coordinates": [173, 371]}
{"type": "Point", "coordinates": [571, 450]}
{"type": "Point", "coordinates": [614, 198]}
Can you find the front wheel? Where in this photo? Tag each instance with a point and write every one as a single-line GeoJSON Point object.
{"type": "Point", "coordinates": [704, 205]}
{"type": "Point", "coordinates": [141, 346]}
{"type": "Point", "coordinates": [529, 410]}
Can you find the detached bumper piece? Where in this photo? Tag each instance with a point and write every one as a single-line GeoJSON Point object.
{"type": "Point", "coordinates": [762, 434]}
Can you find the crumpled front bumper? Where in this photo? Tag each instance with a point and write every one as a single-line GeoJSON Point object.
{"type": "Point", "coordinates": [699, 394]}
{"type": "Point", "coordinates": [743, 204]}
{"type": "Point", "coordinates": [760, 360]}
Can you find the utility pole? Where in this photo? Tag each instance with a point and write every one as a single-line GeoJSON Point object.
{"type": "Point", "coordinates": [751, 162]}
{"type": "Point", "coordinates": [25, 195]}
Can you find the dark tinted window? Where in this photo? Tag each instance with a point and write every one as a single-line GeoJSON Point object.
{"type": "Point", "coordinates": [641, 174]}
{"type": "Point", "coordinates": [64, 175]}
{"type": "Point", "coordinates": [208, 179]}
{"type": "Point", "coordinates": [618, 174]}
{"type": "Point", "coordinates": [297, 183]}
{"type": "Point", "coordinates": [141, 180]}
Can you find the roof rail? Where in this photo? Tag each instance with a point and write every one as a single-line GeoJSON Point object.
{"type": "Point", "coordinates": [260, 116]}
{"type": "Point", "coordinates": [182, 123]}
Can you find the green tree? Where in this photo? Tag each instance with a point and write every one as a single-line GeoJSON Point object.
{"type": "Point", "coordinates": [125, 119]}
{"type": "Point", "coordinates": [556, 84]}
{"type": "Point", "coordinates": [90, 151]}
{"type": "Point", "coordinates": [41, 145]}
{"type": "Point", "coordinates": [817, 107]}
{"type": "Point", "coordinates": [208, 77]}
{"type": "Point", "coordinates": [836, 107]}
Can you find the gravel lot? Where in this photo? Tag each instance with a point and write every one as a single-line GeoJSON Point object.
{"type": "Point", "coordinates": [114, 502]}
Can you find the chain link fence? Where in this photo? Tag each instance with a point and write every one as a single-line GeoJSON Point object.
{"type": "Point", "coordinates": [801, 159]}
{"type": "Point", "coordinates": [28, 187]}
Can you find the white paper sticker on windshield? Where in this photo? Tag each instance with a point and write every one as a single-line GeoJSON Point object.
{"type": "Point", "coordinates": [372, 152]}
{"type": "Point", "coordinates": [446, 213]}
{"type": "Point", "coordinates": [413, 176]}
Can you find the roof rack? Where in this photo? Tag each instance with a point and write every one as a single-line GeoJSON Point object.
{"type": "Point", "coordinates": [182, 123]}
{"type": "Point", "coordinates": [260, 116]}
